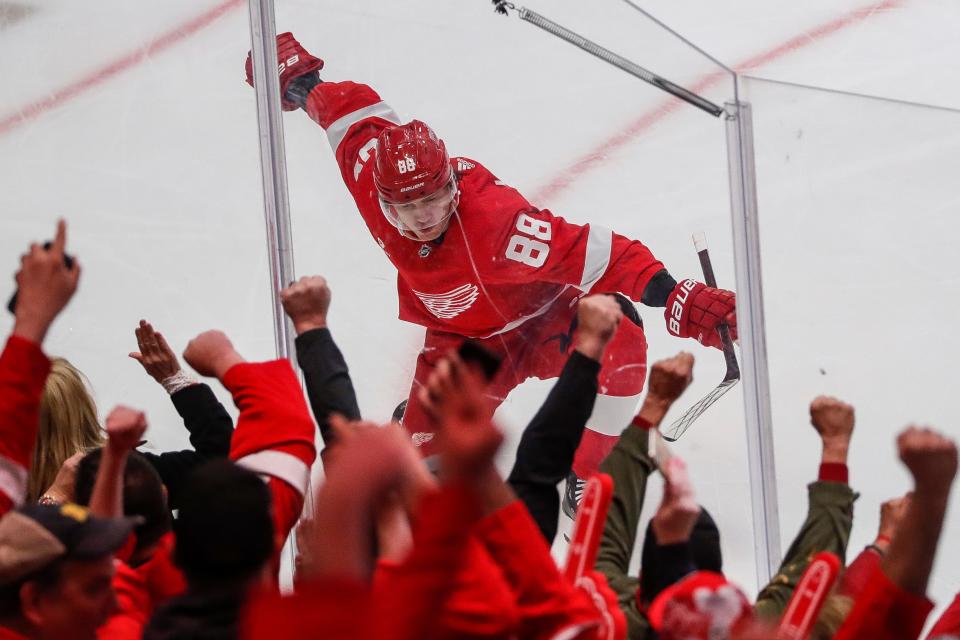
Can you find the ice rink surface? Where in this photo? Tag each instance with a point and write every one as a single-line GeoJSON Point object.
{"type": "Point", "coordinates": [134, 123]}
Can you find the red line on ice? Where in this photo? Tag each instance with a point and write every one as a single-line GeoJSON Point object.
{"type": "Point", "coordinates": [124, 63]}
{"type": "Point", "coordinates": [602, 151]}
{"type": "Point", "coordinates": [558, 184]}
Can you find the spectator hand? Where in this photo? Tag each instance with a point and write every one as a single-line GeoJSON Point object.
{"type": "Point", "coordinates": [892, 513]}
{"type": "Point", "coordinates": [675, 519]}
{"type": "Point", "coordinates": [156, 356]}
{"type": "Point", "coordinates": [62, 489]}
{"type": "Point", "coordinates": [833, 419]}
{"type": "Point", "coordinates": [307, 301]}
{"type": "Point", "coordinates": [125, 428]}
{"type": "Point", "coordinates": [418, 479]}
{"type": "Point", "coordinates": [45, 286]}
{"type": "Point", "coordinates": [211, 354]}
{"type": "Point", "coordinates": [368, 466]}
{"type": "Point", "coordinates": [668, 380]}
{"type": "Point", "coordinates": [467, 439]}
{"type": "Point", "coordinates": [597, 319]}
{"type": "Point", "coordinates": [931, 459]}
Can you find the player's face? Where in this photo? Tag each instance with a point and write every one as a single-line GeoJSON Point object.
{"type": "Point", "coordinates": [427, 218]}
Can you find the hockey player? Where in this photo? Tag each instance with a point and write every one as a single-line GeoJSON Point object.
{"type": "Point", "coordinates": [476, 259]}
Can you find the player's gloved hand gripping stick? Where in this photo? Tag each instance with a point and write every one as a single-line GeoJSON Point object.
{"type": "Point", "coordinates": [706, 313]}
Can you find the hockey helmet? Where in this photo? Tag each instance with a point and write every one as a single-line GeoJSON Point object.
{"type": "Point", "coordinates": [414, 180]}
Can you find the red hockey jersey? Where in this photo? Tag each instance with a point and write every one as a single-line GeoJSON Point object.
{"type": "Point", "coordinates": [501, 262]}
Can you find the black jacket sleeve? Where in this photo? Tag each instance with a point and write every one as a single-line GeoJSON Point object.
{"type": "Point", "coordinates": [329, 387]}
{"type": "Point", "coordinates": [546, 449]}
{"type": "Point", "coordinates": [210, 430]}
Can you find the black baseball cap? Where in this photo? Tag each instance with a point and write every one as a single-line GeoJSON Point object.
{"type": "Point", "coordinates": [35, 535]}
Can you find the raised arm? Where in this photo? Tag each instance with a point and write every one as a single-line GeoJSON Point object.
{"type": "Point", "coordinates": [275, 434]}
{"type": "Point", "coordinates": [858, 574]}
{"type": "Point", "coordinates": [329, 386]}
{"type": "Point", "coordinates": [894, 603]}
{"type": "Point", "coordinates": [546, 604]}
{"type": "Point", "coordinates": [125, 428]}
{"type": "Point", "coordinates": [546, 449]}
{"type": "Point", "coordinates": [830, 505]}
{"type": "Point", "coordinates": [932, 461]}
{"type": "Point", "coordinates": [45, 286]}
{"type": "Point", "coordinates": [207, 421]}
{"type": "Point", "coordinates": [629, 465]}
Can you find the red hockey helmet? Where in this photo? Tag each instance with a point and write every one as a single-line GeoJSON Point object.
{"type": "Point", "coordinates": [416, 186]}
{"type": "Point", "coordinates": [412, 163]}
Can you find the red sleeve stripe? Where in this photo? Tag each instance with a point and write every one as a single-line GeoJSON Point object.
{"type": "Point", "coordinates": [337, 131]}
{"type": "Point", "coordinates": [13, 479]}
{"type": "Point", "coordinates": [597, 258]}
{"type": "Point", "coordinates": [280, 465]}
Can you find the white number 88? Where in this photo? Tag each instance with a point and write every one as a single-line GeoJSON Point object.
{"type": "Point", "coordinates": [539, 229]}
{"type": "Point", "coordinates": [527, 250]}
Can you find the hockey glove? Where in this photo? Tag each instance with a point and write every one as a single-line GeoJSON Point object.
{"type": "Point", "coordinates": [695, 310]}
{"type": "Point", "coordinates": [294, 62]}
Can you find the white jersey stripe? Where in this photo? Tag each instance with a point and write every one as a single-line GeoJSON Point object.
{"type": "Point", "coordinates": [13, 480]}
{"type": "Point", "coordinates": [278, 464]}
{"type": "Point", "coordinates": [337, 131]}
{"type": "Point", "coordinates": [597, 258]}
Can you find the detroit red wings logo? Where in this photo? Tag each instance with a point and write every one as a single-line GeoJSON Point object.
{"type": "Point", "coordinates": [450, 304]}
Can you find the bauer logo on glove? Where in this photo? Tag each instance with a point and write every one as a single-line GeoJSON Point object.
{"type": "Point", "coordinates": [695, 310]}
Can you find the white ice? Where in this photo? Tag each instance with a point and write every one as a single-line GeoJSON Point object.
{"type": "Point", "coordinates": [156, 168]}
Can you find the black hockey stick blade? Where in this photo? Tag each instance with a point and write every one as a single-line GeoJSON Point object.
{"type": "Point", "coordinates": [732, 376]}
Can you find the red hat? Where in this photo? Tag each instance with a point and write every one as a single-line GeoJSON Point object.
{"type": "Point", "coordinates": [702, 605]}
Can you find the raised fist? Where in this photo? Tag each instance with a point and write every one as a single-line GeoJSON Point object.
{"type": "Point", "coordinates": [669, 378]}
{"type": "Point", "coordinates": [678, 512]}
{"type": "Point", "coordinates": [598, 317]}
{"type": "Point", "coordinates": [892, 513]}
{"type": "Point", "coordinates": [211, 354]}
{"type": "Point", "coordinates": [306, 301]}
{"type": "Point", "coordinates": [695, 310]}
{"type": "Point", "coordinates": [293, 61]}
{"type": "Point", "coordinates": [45, 286]}
{"type": "Point", "coordinates": [833, 419]}
{"type": "Point", "coordinates": [125, 428]}
{"type": "Point", "coordinates": [930, 458]}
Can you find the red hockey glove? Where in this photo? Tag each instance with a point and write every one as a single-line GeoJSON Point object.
{"type": "Point", "coordinates": [293, 61]}
{"type": "Point", "coordinates": [694, 310]}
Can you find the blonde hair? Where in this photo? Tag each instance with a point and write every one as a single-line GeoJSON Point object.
{"type": "Point", "coordinates": [68, 425]}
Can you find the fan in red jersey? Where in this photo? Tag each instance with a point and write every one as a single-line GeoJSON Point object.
{"type": "Point", "coordinates": [475, 259]}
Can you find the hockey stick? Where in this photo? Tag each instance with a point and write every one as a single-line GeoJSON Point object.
{"type": "Point", "coordinates": [732, 377]}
